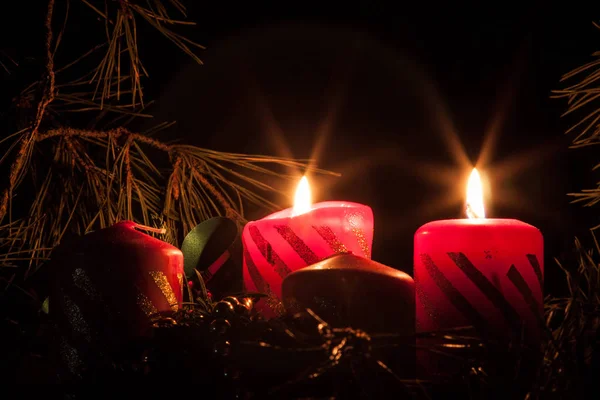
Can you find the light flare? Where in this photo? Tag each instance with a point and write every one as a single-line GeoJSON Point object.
{"type": "Point", "coordinates": [302, 199]}
{"type": "Point", "coordinates": [475, 208]}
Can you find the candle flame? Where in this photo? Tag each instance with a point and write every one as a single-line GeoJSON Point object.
{"type": "Point", "coordinates": [475, 207]}
{"type": "Point", "coordinates": [302, 200]}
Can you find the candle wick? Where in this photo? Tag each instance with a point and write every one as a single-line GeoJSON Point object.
{"type": "Point", "coordinates": [150, 229]}
{"type": "Point", "coordinates": [470, 212]}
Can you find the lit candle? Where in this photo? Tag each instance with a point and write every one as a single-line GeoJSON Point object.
{"type": "Point", "coordinates": [481, 272]}
{"type": "Point", "coordinates": [300, 236]}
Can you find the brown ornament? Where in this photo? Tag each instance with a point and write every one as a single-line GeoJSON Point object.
{"type": "Point", "coordinates": [346, 290]}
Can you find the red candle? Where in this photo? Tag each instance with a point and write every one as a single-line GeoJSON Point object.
{"type": "Point", "coordinates": [486, 273]}
{"type": "Point", "coordinates": [300, 236]}
{"type": "Point", "coordinates": [109, 282]}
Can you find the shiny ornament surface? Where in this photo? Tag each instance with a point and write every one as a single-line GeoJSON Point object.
{"type": "Point", "coordinates": [347, 290]}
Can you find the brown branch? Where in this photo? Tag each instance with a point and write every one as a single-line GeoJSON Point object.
{"type": "Point", "coordinates": [120, 132]}
{"type": "Point", "coordinates": [230, 212]}
{"type": "Point", "coordinates": [96, 134]}
{"type": "Point", "coordinates": [49, 87]}
{"type": "Point", "coordinates": [128, 175]}
{"type": "Point", "coordinates": [28, 138]}
{"type": "Point", "coordinates": [175, 178]}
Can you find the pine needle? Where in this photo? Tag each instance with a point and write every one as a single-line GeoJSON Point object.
{"type": "Point", "coordinates": [120, 20]}
{"type": "Point", "coordinates": [582, 99]}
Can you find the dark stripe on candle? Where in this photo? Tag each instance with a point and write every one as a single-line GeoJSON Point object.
{"type": "Point", "coordinates": [455, 297]}
{"type": "Point", "coordinates": [268, 253]}
{"type": "Point", "coordinates": [297, 244]}
{"type": "Point", "coordinates": [256, 277]}
{"type": "Point", "coordinates": [487, 288]}
{"type": "Point", "coordinates": [517, 279]}
{"type": "Point", "coordinates": [537, 269]}
{"type": "Point", "coordinates": [329, 236]}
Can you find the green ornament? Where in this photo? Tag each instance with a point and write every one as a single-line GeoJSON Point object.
{"type": "Point", "coordinates": [212, 250]}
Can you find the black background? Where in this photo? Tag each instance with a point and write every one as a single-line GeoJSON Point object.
{"type": "Point", "coordinates": [376, 84]}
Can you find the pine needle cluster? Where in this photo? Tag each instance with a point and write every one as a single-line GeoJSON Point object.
{"type": "Point", "coordinates": [67, 179]}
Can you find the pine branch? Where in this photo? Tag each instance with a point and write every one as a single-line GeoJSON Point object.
{"type": "Point", "coordinates": [87, 179]}
{"type": "Point", "coordinates": [122, 46]}
{"type": "Point", "coordinates": [177, 187]}
{"type": "Point", "coordinates": [28, 139]}
{"type": "Point", "coordinates": [582, 97]}
{"type": "Point", "coordinates": [575, 322]}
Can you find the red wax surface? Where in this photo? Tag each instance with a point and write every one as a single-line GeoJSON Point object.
{"type": "Point", "coordinates": [486, 272]}
{"type": "Point", "coordinates": [117, 275]}
{"type": "Point", "coordinates": [281, 243]}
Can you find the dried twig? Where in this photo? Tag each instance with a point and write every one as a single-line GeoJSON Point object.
{"type": "Point", "coordinates": [28, 138]}
{"type": "Point", "coordinates": [584, 95]}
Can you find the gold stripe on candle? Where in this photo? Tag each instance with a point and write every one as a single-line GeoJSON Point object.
{"type": "Point", "coordinates": [180, 280]}
{"type": "Point", "coordinates": [75, 317]}
{"type": "Point", "coordinates": [165, 287]}
{"type": "Point", "coordinates": [427, 306]}
{"type": "Point", "coordinates": [354, 220]}
{"type": "Point", "coordinates": [275, 304]}
{"type": "Point", "coordinates": [83, 282]}
{"type": "Point", "coordinates": [362, 242]}
{"type": "Point", "coordinates": [146, 304]}
{"type": "Point", "coordinates": [70, 357]}
{"type": "Point", "coordinates": [332, 240]}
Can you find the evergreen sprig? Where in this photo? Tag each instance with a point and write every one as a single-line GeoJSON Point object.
{"type": "Point", "coordinates": [122, 54]}
{"type": "Point", "coordinates": [572, 356]}
{"type": "Point", "coordinates": [582, 99]}
{"type": "Point", "coordinates": [67, 179]}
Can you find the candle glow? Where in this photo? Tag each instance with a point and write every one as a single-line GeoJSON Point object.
{"type": "Point", "coordinates": [475, 208]}
{"type": "Point", "coordinates": [478, 271]}
{"type": "Point", "coordinates": [299, 236]}
{"type": "Point", "coordinates": [302, 199]}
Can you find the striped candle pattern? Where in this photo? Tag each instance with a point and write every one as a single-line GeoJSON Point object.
{"type": "Point", "coordinates": [107, 286]}
{"type": "Point", "coordinates": [279, 244]}
{"type": "Point", "coordinates": [486, 273]}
